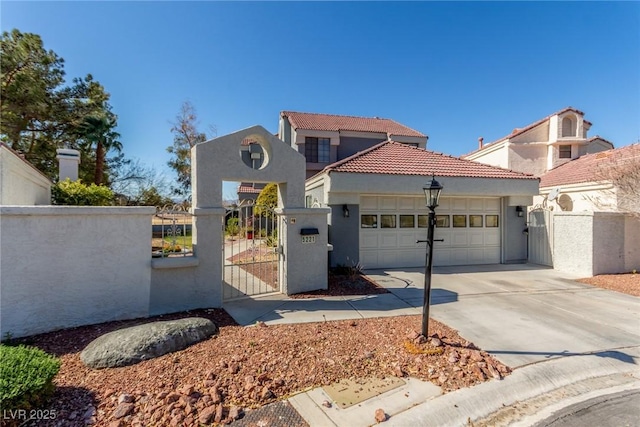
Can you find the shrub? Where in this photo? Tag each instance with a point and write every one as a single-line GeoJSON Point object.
{"type": "Point", "coordinates": [232, 227]}
{"type": "Point", "coordinates": [76, 193]}
{"type": "Point", "coordinates": [26, 376]}
{"type": "Point", "coordinates": [272, 240]}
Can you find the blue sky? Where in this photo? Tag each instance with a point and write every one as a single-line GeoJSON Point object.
{"type": "Point", "coordinates": [452, 70]}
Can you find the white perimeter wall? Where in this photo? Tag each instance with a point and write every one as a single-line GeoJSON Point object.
{"type": "Point", "coordinates": [64, 266]}
{"type": "Point", "coordinates": [592, 243]}
{"type": "Point", "coordinates": [21, 183]}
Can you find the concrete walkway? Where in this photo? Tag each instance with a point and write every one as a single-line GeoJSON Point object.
{"type": "Point", "coordinates": [588, 339]}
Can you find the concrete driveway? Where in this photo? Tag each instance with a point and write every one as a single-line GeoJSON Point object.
{"type": "Point", "coordinates": [523, 314]}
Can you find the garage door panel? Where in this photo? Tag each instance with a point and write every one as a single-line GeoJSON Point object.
{"type": "Point", "coordinates": [459, 256]}
{"type": "Point", "coordinates": [459, 205]}
{"type": "Point", "coordinates": [491, 255]}
{"type": "Point", "coordinates": [444, 204]}
{"type": "Point", "coordinates": [368, 202]}
{"type": "Point", "coordinates": [476, 238]}
{"type": "Point", "coordinates": [369, 259]}
{"type": "Point", "coordinates": [368, 240]}
{"type": "Point", "coordinates": [476, 205]}
{"type": "Point", "coordinates": [405, 203]}
{"type": "Point", "coordinates": [492, 205]}
{"type": "Point", "coordinates": [388, 241]}
{"type": "Point", "coordinates": [407, 240]}
{"type": "Point", "coordinates": [459, 238]}
{"type": "Point", "coordinates": [388, 203]}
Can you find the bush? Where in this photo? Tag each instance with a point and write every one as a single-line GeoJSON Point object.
{"type": "Point", "coordinates": [26, 376]}
{"type": "Point", "coordinates": [232, 227]}
{"type": "Point", "coordinates": [76, 193]}
{"type": "Point", "coordinates": [272, 240]}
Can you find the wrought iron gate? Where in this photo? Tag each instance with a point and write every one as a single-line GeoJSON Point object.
{"type": "Point", "coordinates": [251, 252]}
{"type": "Point", "coordinates": [540, 228]}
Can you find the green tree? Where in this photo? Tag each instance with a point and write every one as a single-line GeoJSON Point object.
{"type": "Point", "coordinates": [185, 136]}
{"type": "Point", "coordinates": [98, 130]}
{"type": "Point", "coordinates": [267, 200]}
{"type": "Point", "coordinates": [31, 76]}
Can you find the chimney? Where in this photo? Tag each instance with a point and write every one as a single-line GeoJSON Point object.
{"type": "Point", "coordinates": [68, 161]}
{"type": "Point", "coordinates": [480, 140]}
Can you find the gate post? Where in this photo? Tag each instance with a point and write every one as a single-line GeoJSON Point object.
{"type": "Point", "coordinates": [303, 262]}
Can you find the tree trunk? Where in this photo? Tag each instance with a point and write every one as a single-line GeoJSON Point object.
{"type": "Point", "coordinates": [99, 163]}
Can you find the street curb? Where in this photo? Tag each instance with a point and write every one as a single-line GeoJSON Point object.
{"type": "Point", "coordinates": [461, 407]}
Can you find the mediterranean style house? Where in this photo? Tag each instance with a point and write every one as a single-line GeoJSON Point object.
{"type": "Point", "coordinates": [324, 139]}
{"type": "Point", "coordinates": [543, 145]}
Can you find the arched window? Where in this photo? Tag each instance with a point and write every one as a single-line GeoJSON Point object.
{"type": "Point", "coordinates": [568, 127]}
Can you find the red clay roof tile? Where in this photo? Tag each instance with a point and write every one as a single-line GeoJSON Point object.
{"type": "Point", "coordinates": [395, 158]}
{"type": "Point", "coordinates": [332, 122]}
{"type": "Point", "coordinates": [584, 168]}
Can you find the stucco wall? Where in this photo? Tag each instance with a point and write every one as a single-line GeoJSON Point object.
{"type": "Point", "coordinates": [344, 235]}
{"type": "Point", "coordinates": [68, 266]}
{"type": "Point", "coordinates": [350, 145]}
{"type": "Point", "coordinates": [20, 182]}
{"type": "Point", "coordinates": [592, 243]}
{"type": "Point", "coordinates": [514, 241]}
{"type": "Point", "coordinates": [494, 155]}
{"type": "Point", "coordinates": [528, 158]}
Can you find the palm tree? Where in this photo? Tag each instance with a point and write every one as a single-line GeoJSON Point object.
{"type": "Point", "coordinates": [98, 129]}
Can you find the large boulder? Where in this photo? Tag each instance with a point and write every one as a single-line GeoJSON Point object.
{"type": "Point", "coordinates": [129, 346]}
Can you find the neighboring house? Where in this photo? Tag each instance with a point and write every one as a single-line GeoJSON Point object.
{"type": "Point", "coordinates": [327, 138]}
{"type": "Point", "coordinates": [585, 183]}
{"type": "Point", "coordinates": [20, 182]}
{"type": "Point", "coordinates": [543, 145]}
{"type": "Point", "coordinates": [378, 208]}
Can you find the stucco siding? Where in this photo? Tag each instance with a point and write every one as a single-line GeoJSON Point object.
{"type": "Point", "coordinates": [538, 134]}
{"type": "Point", "coordinates": [631, 244]}
{"type": "Point", "coordinates": [344, 235]}
{"type": "Point", "coordinates": [494, 155]}
{"type": "Point", "coordinates": [70, 266]}
{"type": "Point", "coordinates": [21, 183]}
{"type": "Point", "coordinates": [351, 145]}
{"type": "Point", "coordinates": [573, 243]}
{"type": "Point", "coordinates": [514, 240]}
{"type": "Point", "coordinates": [528, 158]}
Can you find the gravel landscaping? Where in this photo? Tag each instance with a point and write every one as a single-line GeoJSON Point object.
{"type": "Point", "coordinates": [247, 367]}
{"type": "Point", "coordinates": [628, 283]}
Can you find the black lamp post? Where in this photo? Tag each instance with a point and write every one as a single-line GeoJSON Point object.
{"type": "Point", "coordinates": [432, 194]}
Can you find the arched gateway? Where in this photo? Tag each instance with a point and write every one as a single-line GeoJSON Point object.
{"type": "Point", "coordinates": [302, 260]}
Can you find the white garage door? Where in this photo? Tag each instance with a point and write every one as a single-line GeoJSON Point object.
{"type": "Point", "coordinates": [390, 226]}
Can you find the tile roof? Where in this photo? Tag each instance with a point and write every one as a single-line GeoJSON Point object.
{"type": "Point", "coordinates": [520, 131]}
{"type": "Point", "coordinates": [395, 158]}
{"type": "Point", "coordinates": [250, 189]}
{"type": "Point", "coordinates": [584, 168]}
{"type": "Point", "coordinates": [332, 122]}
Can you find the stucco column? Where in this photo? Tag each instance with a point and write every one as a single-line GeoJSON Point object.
{"type": "Point", "coordinates": [303, 262]}
{"type": "Point", "coordinates": [207, 246]}
{"type": "Point", "coordinates": [68, 161]}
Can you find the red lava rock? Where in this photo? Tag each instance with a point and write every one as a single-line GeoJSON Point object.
{"type": "Point", "coordinates": [108, 393]}
{"type": "Point", "coordinates": [453, 357]}
{"type": "Point", "coordinates": [117, 423]}
{"type": "Point", "coordinates": [186, 390]}
{"type": "Point", "coordinates": [218, 416]}
{"type": "Point", "coordinates": [249, 382]}
{"type": "Point", "coordinates": [123, 410]}
{"type": "Point", "coordinates": [261, 324]}
{"type": "Point", "coordinates": [478, 371]}
{"type": "Point", "coordinates": [206, 415]}
{"type": "Point", "coordinates": [326, 404]}
{"type": "Point", "coordinates": [234, 368]}
{"type": "Point", "coordinates": [476, 356]}
{"type": "Point", "coordinates": [420, 339]}
{"type": "Point", "coordinates": [368, 354]}
{"type": "Point", "coordinates": [380, 416]}
{"type": "Point", "coordinates": [436, 342]}
{"type": "Point", "coordinates": [266, 393]}
{"type": "Point", "coordinates": [216, 396]}
{"type": "Point", "coordinates": [398, 372]}
{"type": "Point", "coordinates": [412, 335]}
{"type": "Point", "coordinates": [125, 398]}
{"type": "Point", "coordinates": [234, 412]}
{"type": "Point", "coordinates": [172, 397]}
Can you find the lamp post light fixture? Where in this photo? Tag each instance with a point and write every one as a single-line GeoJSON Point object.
{"type": "Point", "coordinates": [432, 192]}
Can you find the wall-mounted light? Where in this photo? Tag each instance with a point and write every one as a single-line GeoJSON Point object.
{"type": "Point", "coordinates": [519, 211]}
{"type": "Point", "coordinates": [345, 211]}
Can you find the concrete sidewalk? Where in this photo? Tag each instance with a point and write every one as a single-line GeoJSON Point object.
{"type": "Point", "coordinates": [587, 338]}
